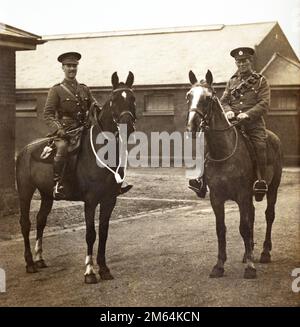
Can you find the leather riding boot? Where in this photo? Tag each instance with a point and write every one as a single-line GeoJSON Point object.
{"type": "Point", "coordinates": [58, 170]}
{"type": "Point", "coordinates": [124, 188]}
{"type": "Point", "coordinates": [198, 185]}
{"type": "Point", "coordinates": [260, 186]}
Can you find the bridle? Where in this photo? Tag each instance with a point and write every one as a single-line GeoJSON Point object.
{"type": "Point", "coordinates": [205, 120]}
{"type": "Point", "coordinates": [116, 120]}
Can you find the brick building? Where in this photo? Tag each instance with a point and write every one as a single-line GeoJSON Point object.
{"type": "Point", "coordinates": [161, 60]}
{"type": "Point", "coordinates": [11, 40]}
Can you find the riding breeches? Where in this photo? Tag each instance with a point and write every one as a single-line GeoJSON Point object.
{"type": "Point", "coordinates": [258, 138]}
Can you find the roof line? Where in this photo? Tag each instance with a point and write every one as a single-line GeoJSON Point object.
{"type": "Point", "coordinates": [18, 30]}
{"type": "Point", "coordinates": [164, 30]}
{"type": "Point", "coordinates": [261, 41]}
{"type": "Point", "coordinates": [275, 55]}
{"type": "Point", "coordinates": [150, 31]}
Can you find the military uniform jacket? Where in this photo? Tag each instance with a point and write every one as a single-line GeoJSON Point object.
{"type": "Point", "coordinates": [250, 95]}
{"type": "Point", "coordinates": [67, 104]}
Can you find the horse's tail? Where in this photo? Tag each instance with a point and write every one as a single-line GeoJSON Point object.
{"type": "Point", "coordinates": [22, 168]}
{"type": "Point", "coordinates": [276, 157]}
{"type": "Point", "coordinates": [275, 143]}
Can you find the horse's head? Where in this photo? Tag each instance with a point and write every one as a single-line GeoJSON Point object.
{"type": "Point", "coordinates": [122, 102]}
{"type": "Point", "coordinates": [199, 98]}
{"type": "Point", "coordinates": [119, 109]}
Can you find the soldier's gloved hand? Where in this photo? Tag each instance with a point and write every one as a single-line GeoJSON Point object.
{"type": "Point", "coordinates": [61, 132]}
{"type": "Point", "coordinates": [242, 115]}
{"type": "Point", "coordinates": [230, 114]}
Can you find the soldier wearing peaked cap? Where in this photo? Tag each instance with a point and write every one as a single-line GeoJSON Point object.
{"type": "Point", "coordinates": [66, 108]}
{"type": "Point", "coordinates": [247, 95]}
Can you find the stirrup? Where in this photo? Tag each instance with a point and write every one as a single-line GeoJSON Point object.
{"type": "Point", "coordinates": [260, 188]}
{"type": "Point", "coordinates": [58, 192]}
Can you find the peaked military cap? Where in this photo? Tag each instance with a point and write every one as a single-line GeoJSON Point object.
{"type": "Point", "coordinates": [242, 53]}
{"type": "Point", "coordinates": [69, 58]}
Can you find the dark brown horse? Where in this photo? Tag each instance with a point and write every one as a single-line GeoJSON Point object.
{"type": "Point", "coordinates": [230, 172]}
{"type": "Point", "coordinates": [93, 184]}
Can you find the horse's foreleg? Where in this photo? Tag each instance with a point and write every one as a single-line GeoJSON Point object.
{"type": "Point", "coordinates": [251, 220]}
{"type": "Point", "coordinates": [270, 216]}
{"type": "Point", "coordinates": [41, 219]}
{"type": "Point", "coordinates": [246, 226]}
{"type": "Point", "coordinates": [89, 210]}
{"type": "Point", "coordinates": [218, 207]}
{"type": "Point", "coordinates": [106, 209]}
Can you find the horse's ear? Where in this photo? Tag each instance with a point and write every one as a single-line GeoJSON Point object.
{"type": "Point", "coordinates": [209, 77]}
{"type": "Point", "coordinates": [130, 80]}
{"type": "Point", "coordinates": [115, 80]}
{"type": "Point", "coordinates": [192, 78]}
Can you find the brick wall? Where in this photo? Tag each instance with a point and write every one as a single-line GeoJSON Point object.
{"type": "Point", "coordinates": [7, 116]}
{"type": "Point", "coordinates": [7, 130]}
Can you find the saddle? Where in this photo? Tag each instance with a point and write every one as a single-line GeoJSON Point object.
{"type": "Point", "coordinates": [46, 150]}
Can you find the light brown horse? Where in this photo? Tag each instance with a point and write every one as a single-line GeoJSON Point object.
{"type": "Point", "coordinates": [230, 172]}
{"type": "Point", "coordinates": [92, 184]}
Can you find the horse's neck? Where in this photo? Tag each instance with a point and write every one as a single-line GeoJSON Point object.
{"type": "Point", "coordinates": [89, 146]}
{"type": "Point", "coordinates": [107, 123]}
{"type": "Point", "coordinates": [219, 143]}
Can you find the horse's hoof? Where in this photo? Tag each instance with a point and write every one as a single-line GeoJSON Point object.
{"type": "Point", "coordinates": [250, 273]}
{"type": "Point", "coordinates": [216, 272]}
{"type": "Point", "coordinates": [31, 269]}
{"type": "Point", "coordinates": [41, 264]}
{"type": "Point", "coordinates": [90, 279]}
{"type": "Point", "coordinates": [105, 275]}
{"type": "Point", "coordinates": [265, 257]}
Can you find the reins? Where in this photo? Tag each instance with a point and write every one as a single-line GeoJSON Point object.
{"type": "Point", "coordinates": [116, 174]}
{"type": "Point", "coordinates": [204, 127]}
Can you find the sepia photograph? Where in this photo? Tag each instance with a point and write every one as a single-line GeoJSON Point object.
{"type": "Point", "coordinates": [149, 155]}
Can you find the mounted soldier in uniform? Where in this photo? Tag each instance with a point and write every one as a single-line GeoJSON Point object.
{"type": "Point", "coordinates": [67, 107]}
{"type": "Point", "coordinates": [246, 98]}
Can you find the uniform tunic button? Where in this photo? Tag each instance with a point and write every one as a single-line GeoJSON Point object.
{"type": "Point", "coordinates": [241, 102]}
{"type": "Point", "coordinates": [78, 104]}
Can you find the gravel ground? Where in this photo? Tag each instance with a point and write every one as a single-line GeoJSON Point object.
{"type": "Point", "coordinates": [161, 248]}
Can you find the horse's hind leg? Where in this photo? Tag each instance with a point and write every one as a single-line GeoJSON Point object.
{"type": "Point", "coordinates": [270, 216]}
{"type": "Point", "coordinates": [106, 209]}
{"type": "Point", "coordinates": [25, 200]}
{"type": "Point", "coordinates": [218, 207]}
{"type": "Point", "coordinates": [41, 219]}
